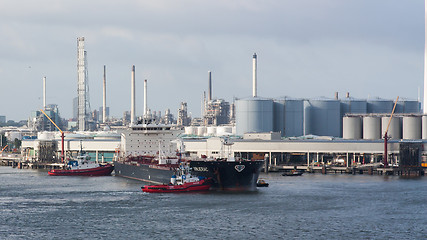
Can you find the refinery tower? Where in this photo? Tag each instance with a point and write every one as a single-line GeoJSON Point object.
{"type": "Point", "coordinates": [82, 86]}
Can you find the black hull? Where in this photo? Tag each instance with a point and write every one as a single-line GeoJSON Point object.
{"type": "Point", "coordinates": [144, 172]}
{"type": "Point", "coordinates": [230, 176]}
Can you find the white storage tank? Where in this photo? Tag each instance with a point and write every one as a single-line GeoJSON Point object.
{"type": "Point", "coordinates": [254, 115]}
{"type": "Point", "coordinates": [211, 131]}
{"type": "Point", "coordinates": [352, 127]}
{"type": "Point", "coordinates": [394, 130]}
{"type": "Point", "coordinates": [201, 131]}
{"type": "Point", "coordinates": [412, 127]}
{"type": "Point", "coordinates": [189, 130]}
{"type": "Point", "coordinates": [371, 127]}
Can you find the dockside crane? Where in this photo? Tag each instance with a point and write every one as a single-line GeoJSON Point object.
{"type": "Point", "coordinates": [385, 134]}
{"type": "Point", "coordinates": [62, 135]}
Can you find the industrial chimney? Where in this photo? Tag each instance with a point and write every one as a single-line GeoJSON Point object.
{"type": "Point", "coordinates": [210, 86]}
{"type": "Point", "coordinates": [254, 87]}
{"type": "Point", "coordinates": [104, 99]}
{"type": "Point", "coordinates": [145, 114]}
{"type": "Point", "coordinates": [132, 110]}
{"type": "Point", "coordinates": [44, 93]}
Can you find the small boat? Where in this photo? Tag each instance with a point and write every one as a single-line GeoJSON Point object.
{"type": "Point", "coordinates": [262, 183]}
{"type": "Point", "coordinates": [82, 167]}
{"type": "Point", "coordinates": [293, 173]}
{"type": "Point", "coordinates": [201, 185]}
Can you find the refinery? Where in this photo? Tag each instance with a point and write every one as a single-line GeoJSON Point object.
{"type": "Point", "coordinates": [286, 132]}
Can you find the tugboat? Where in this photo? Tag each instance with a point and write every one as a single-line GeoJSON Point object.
{"type": "Point", "coordinates": [82, 167]}
{"type": "Point", "coordinates": [262, 183]}
{"type": "Point", "coordinates": [184, 182]}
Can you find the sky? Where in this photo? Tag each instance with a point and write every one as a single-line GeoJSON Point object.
{"type": "Point", "coordinates": [305, 48]}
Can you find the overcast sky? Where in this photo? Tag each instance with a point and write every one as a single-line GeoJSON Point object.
{"type": "Point", "coordinates": [306, 49]}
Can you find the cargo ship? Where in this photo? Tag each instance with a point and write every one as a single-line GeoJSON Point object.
{"type": "Point", "coordinates": [143, 157]}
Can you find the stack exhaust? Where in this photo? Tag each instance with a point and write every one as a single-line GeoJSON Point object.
{"type": "Point", "coordinates": [254, 75]}
{"type": "Point", "coordinates": [132, 111]}
{"type": "Point", "coordinates": [104, 99]}
{"type": "Point", "coordinates": [145, 114]}
{"type": "Point", "coordinates": [210, 86]}
{"type": "Point", "coordinates": [44, 93]}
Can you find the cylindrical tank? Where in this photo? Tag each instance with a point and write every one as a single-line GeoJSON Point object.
{"type": "Point", "coordinates": [394, 130]}
{"type": "Point", "coordinates": [294, 117]}
{"type": "Point", "coordinates": [211, 131]}
{"type": "Point", "coordinates": [352, 106]}
{"type": "Point", "coordinates": [380, 106]}
{"type": "Point", "coordinates": [424, 127]}
{"type": "Point", "coordinates": [224, 130]}
{"type": "Point", "coordinates": [254, 115]}
{"type": "Point", "coordinates": [408, 106]}
{"type": "Point", "coordinates": [412, 127]}
{"type": "Point", "coordinates": [279, 116]}
{"type": "Point", "coordinates": [324, 117]}
{"type": "Point", "coordinates": [201, 131]}
{"type": "Point", "coordinates": [352, 127]}
{"type": "Point", "coordinates": [371, 127]}
{"type": "Point", "coordinates": [189, 130]}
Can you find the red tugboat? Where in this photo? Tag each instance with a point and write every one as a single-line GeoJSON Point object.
{"type": "Point", "coordinates": [82, 167]}
{"type": "Point", "coordinates": [184, 182]}
{"type": "Point", "coordinates": [200, 185]}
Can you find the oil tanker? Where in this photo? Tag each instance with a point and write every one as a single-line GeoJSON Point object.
{"type": "Point", "coordinates": [143, 157]}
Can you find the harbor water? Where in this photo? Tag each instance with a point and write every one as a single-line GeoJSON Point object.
{"type": "Point", "coordinates": [34, 205]}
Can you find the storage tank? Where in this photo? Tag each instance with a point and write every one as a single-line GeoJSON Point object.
{"type": "Point", "coordinates": [324, 117]}
{"type": "Point", "coordinates": [352, 127]}
{"type": "Point", "coordinates": [189, 130]}
{"type": "Point", "coordinates": [424, 127]}
{"type": "Point", "coordinates": [279, 116]}
{"type": "Point", "coordinates": [412, 127]}
{"type": "Point", "coordinates": [394, 130]}
{"type": "Point", "coordinates": [211, 131]}
{"type": "Point", "coordinates": [379, 105]}
{"type": "Point", "coordinates": [371, 127]}
{"type": "Point", "coordinates": [408, 106]}
{"type": "Point", "coordinates": [254, 115]}
{"type": "Point", "coordinates": [294, 117]}
{"type": "Point", "coordinates": [353, 106]}
{"type": "Point", "coordinates": [201, 131]}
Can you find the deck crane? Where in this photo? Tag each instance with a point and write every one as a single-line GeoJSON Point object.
{"type": "Point", "coordinates": [385, 134]}
{"type": "Point", "coordinates": [62, 135]}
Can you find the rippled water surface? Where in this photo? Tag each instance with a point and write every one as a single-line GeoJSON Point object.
{"type": "Point", "coordinates": [34, 205]}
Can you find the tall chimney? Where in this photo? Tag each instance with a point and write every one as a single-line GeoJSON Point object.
{"type": "Point", "coordinates": [210, 86]}
{"type": "Point", "coordinates": [44, 93]}
{"type": "Point", "coordinates": [145, 114]}
{"type": "Point", "coordinates": [254, 83]}
{"type": "Point", "coordinates": [132, 110]}
{"type": "Point", "coordinates": [425, 60]}
{"type": "Point", "coordinates": [104, 99]}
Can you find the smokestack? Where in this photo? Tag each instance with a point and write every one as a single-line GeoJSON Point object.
{"type": "Point", "coordinates": [145, 115]}
{"type": "Point", "coordinates": [254, 66]}
{"type": "Point", "coordinates": [210, 86]}
{"type": "Point", "coordinates": [336, 95]}
{"type": "Point", "coordinates": [425, 60]}
{"type": "Point", "coordinates": [132, 110]}
{"type": "Point", "coordinates": [104, 99]}
{"type": "Point", "coordinates": [44, 93]}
